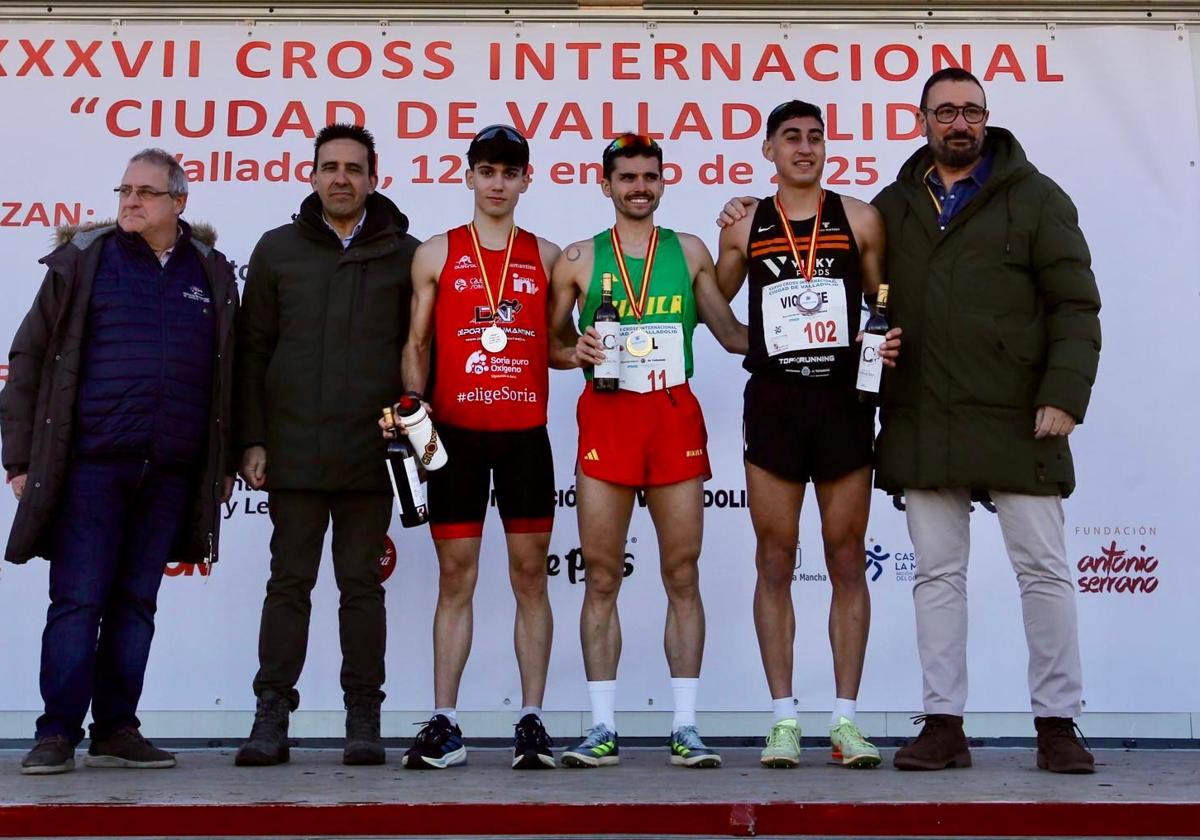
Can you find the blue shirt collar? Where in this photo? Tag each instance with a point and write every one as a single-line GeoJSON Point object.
{"type": "Point", "coordinates": [979, 174]}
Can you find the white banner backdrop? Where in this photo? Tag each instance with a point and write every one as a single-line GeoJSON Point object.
{"type": "Point", "coordinates": [1109, 113]}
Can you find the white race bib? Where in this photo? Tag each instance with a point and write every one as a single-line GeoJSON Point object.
{"type": "Point", "coordinates": [804, 315]}
{"type": "Point", "coordinates": [662, 367]}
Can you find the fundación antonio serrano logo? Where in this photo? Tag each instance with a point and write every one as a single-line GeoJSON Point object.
{"type": "Point", "coordinates": [1122, 561]}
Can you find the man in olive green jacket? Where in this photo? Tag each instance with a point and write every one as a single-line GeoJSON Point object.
{"type": "Point", "coordinates": [991, 280]}
{"type": "Point", "coordinates": [325, 317]}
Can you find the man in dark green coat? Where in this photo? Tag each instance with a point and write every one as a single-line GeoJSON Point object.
{"type": "Point", "coordinates": [991, 280]}
{"type": "Point", "coordinates": [325, 316]}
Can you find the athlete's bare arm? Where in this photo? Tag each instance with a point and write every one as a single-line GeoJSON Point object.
{"type": "Point", "coordinates": [568, 287]}
{"type": "Point", "coordinates": [426, 267]}
{"type": "Point", "coordinates": [735, 209]}
{"type": "Point", "coordinates": [731, 254]}
{"type": "Point", "coordinates": [867, 225]}
{"type": "Point", "coordinates": [711, 304]}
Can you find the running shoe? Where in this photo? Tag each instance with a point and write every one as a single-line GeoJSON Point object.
{"type": "Point", "coordinates": [850, 748]}
{"type": "Point", "coordinates": [783, 745]}
{"type": "Point", "coordinates": [438, 745]}
{"type": "Point", "coordinates": [599, 749]}
{"type": "Point", "coordinates": [687, 750]}
{"type": "Point", "coordinates": [531, 746]}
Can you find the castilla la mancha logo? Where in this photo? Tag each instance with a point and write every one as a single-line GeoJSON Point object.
{"type": "Point", "coordinates": [1123, 560]}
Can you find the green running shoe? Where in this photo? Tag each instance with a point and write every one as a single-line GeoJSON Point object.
{"type": "Point", "coordinates": [783, 745]}
{"type": "Point", "coordinates": [850, 748]}
{"type": "Point", "coordinates": [687, 750]}
{"type": "Point", "coordinates": [599, 749]}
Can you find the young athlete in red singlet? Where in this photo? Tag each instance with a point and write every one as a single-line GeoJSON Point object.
{"type": "Point", "coordinates": [478, 350]}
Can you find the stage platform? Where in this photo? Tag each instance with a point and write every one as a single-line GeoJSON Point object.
{"type": "Point", "coordinates": [1135, 793]}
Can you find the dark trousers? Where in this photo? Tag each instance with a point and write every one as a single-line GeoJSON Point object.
{"type": "Point", "coordinates": [360, 522]}
{"type": "Point", "coordinates": [116, 524]}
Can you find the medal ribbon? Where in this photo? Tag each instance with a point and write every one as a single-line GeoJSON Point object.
{"type": "Point", "coordinates": [487, 284]}
{"type": "Point", "coordinates": [937, 204]}
{"type": "Point", "coordinates": [637, 304]}
{"type": "Point", "coordinates": [804, 269]}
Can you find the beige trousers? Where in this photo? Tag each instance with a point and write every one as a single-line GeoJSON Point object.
{"type": "Point", "coordinates": [940, 528]}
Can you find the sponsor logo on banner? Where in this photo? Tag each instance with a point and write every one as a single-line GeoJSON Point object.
{"type": "Point", "coordinates": [387, 560]}
{"type": "Point", "coordinates": [1123, 560]}
{"type": "Point", "coordinates": [245, 501]}
{"type": "Point", "coordinates": [875, 559]}
{"type": "Point", "coordinates": [572, 565]}
{"type": "Point", "coordinates": [186, 570]}
{"type": "Point", "coordinates": [899, 565]}
{"type": "Point", "coordinates": [801, 576]}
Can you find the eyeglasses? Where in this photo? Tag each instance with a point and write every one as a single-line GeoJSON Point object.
{"type": "Point", "coordinates": [630, 141]}
{"type": "Point", "coordinates": [143, 193]}
{"type": "Point", "coordinates": [946, 114]}
{"type": "Point", "coordinates": [506, 132]}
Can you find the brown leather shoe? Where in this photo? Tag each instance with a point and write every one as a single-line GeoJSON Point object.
{"type": "Point", "coordinates": [941, 744]}
{"type": "Point", "coordinates": [1059, 751]}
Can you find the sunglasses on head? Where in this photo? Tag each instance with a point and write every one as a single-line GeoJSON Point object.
{"type": "Point", "coordinates": [506, 132]}
{"type": "Point", "coordinates": [630, 141]}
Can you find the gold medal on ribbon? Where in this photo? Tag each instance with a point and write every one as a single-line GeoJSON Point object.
{"type": "Point", "coordinates": [804, 268]}
{"type": "Point", "coordinates": [493, 339]}
{"type": "Point", "coordinates": [638, 343]}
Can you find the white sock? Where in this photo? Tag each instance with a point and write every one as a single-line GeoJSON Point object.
{"type": "Point", "coordinates": [452, 714]}
{"type": "Point", "coordinates": [603, 696]}
{"type": "Point", "coordinates": [784, 708]}
{"type": "Point", "coordinates": [536, 711]}
{"type": "Point", "coordinates": [684, 689]}
{"type": "Point", "coordinates": [843, 708]}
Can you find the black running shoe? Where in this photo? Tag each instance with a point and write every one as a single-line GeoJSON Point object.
{"type": "Point", "coordinates": [439, 745]}
{"type": "Point", "coordinates": [531, 745]}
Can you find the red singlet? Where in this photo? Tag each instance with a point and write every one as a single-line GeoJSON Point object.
{"type": "Point", "coordinates": [474, 388]}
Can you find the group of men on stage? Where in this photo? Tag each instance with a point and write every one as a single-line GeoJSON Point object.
{"type": "Point", "coordinates": [128, 408]}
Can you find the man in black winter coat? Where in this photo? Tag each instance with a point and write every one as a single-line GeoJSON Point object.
{"type": "Point", "coordinates": [115, 421]}
{"type": "Point", "coordinates": [325, 317]}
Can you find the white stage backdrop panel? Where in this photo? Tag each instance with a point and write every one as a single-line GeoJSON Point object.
{"type": "Point", "coordinates": [1109, 113]}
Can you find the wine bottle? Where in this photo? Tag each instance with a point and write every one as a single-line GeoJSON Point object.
{"type": "Point", "coordinates": [870, 364]}
{"type": "Point", "coordinates": [406, 480]}
{"type": "Point", "coordinates": [606, 376]}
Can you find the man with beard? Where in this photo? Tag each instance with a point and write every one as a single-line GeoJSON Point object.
{"type": "Point", "coordinates": [991, 280]}
{"type": "Point", "coordinates": [648, 434]}
{"type": "Point", "coordinates": [325, 317]}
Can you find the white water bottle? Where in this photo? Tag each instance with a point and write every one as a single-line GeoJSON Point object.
{"type": "Point", "coordinates": [426, 442]}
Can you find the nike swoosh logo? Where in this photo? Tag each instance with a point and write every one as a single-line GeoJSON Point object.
{"type": "Point", "coordinates": [764, 229]}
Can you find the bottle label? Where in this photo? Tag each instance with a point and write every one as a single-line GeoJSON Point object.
{"type": "Point", "coordinates": [610, 338]}
{"type": "Point", "coordinates": [870, 364]}
{"type": "Point", "coordinates": [415, 488]}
